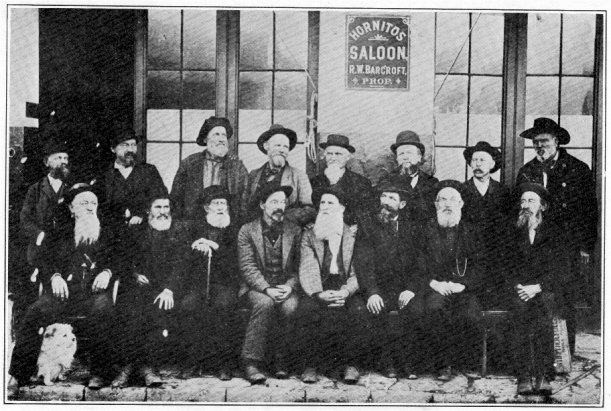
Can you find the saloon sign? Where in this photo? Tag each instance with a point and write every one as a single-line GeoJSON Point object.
{"type": "Point", "coordinates": [377, 55]}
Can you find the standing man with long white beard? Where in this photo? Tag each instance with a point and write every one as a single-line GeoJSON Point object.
{"type": "Point", "coordinates": [536, 278]}
{"type": "Point", "coordinates": [209, 298]}
{"type": "Point", "coordinates": [332, 315]}
{"type": "Point", "coordinates": [212, 166]}
{"type": "Point", "coordinates": [451, 267]}
{"type": "Point", "coordinates": [276, 143]}
{"type": "Point", "coordinates": [76, 272]}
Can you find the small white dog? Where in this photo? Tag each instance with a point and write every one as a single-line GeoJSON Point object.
{"type": "Point", "coordinates": [56, 353]}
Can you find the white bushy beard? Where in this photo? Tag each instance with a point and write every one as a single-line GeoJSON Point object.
{"type": "Point", "coordinates": [334, 172]}
{"type": "Point", "coordinates": [218, 220]}
{"type": "Point", "coordinates": [449, 217]}
{"type": "Point", "coordinates": [329, 225]}
{"type": "Point", "coordinates": [278, 160]}
{"type": "Point", "coordinates": [528, 219]}
{"type": "Point", "coordinates": [86, 229]}
{"type": "Point", "coordinates": [218, 150]}
{"type": "Point", "coordinates": [161, 222]}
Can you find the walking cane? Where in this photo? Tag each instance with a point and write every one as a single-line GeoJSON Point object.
{"type": "Point", "coordinates": [208, 277]}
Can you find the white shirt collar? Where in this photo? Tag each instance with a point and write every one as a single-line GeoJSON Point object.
{"type": "Point", "coordinates": [56, 183]}
{"type": "Point", "coordinates": [482, 187]}
{"type": "Point", "coordinates": [125, 171]}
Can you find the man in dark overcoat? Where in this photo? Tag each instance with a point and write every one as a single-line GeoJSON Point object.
{"type": "Point", "coordinates": [212, 166]}
{"type": "Point", "coordinates": [573, 205]}
{"type": "Point", "coordinates": [75, 269]}
{"type": "Point", "coordinates": [536, 275]}
{"type": "Point", "coordinates": [487, 205]}
{"type": "Point", "coordinates": [388, 274]}
{"type": "Point", "coordinates": [450, 261]}
{"type": "Point", "coordinates": [358, 189]}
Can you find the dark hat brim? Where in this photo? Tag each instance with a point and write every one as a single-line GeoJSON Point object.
{"type": "Point", "coordinates": [292, 136]}
{"type": "Point", "coordinates": [413, 143]}
{"type": "Point", "coordinates": [268, 190]}
{"type": "Point", "coordinates": [561, 134]}
{"type": "Point", "coordinates": [319, 192]}
{"type": "Point", "coordinates": [213, 193]}
{"type": "Point", "coordinates": [347, 146]}
{"type": "Point", "coordinates": [390, 187]}
{"type": "Point", "coordinates": [535, 188]}
{"type": "Point", "coordinates": [115, 141]}
{"type": "Point", "coordinates": [209, 125]}
{"type": "Point", "coordinates": [494, 153]}
{"type": "Point", "coordinates": [77, 189]}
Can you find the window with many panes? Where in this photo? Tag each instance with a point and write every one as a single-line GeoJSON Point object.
{"type": "Point", "coordinates": [180, 84]}
{"type": "Point", "coordinates": [560, 77]}
{"type": "Point", "coordinates": [468, 88]}
{"type": "Point", "coordinates": [273, 79]}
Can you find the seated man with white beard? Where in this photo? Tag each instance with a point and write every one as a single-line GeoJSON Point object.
{"type": "Point", "coordinates": [75, 271]}
{"type": "Point", "coordinates": [209, 298]}
{"type": "Point", "coordinates": [451, 270]}
{"type": "Point", "coordinates": [144, 306]}
{"type": "Point", "coordinates": [536, 277]}
{"type": "Point", "coordinates": [331, 315]}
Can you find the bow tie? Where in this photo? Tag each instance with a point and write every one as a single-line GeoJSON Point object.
{"type": "Point", "coordinates": [216, 160]}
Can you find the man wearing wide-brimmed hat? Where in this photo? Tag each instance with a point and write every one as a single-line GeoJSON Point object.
{"type": "Point", "coordinates": [42, 211]}
{"type": "Point", "coordinates": [276, 143]}
{"type": "Point", "coordinates": [212, 166]}
{"type": "Point", "coordinates": [409, 152]}
{"type": "Point", "coordinates": [487, 207]}
{"type": "Point", "coordinates": [573, 205]}
{"type": "Point", "coordinates": [357, 187]}
{"type": "Point", "coordinates": [535, 282]}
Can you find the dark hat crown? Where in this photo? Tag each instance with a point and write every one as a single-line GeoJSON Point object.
{"type": "Point", "coordinates": [55, 145]}
{"type": "Point", "coordinates": [337, 192]}
{"type": "Point", "coordinates": [544, 125]}
{"type": "Point", "coordinates": [487, 148]}
{"type": "Point", "coordinates": [214, 192]}
{"type": "Point", "coordinates": [77, 189]}
{"type": "Point", "coordinates": [272, 131]}
{"type": "Point", "coordinates": [271, 188]}
{"type": "Point", "coordinates": [393, 185]}
{"type": "Point", "coordinates": [209, 124]}
{"type": "Point", "coordinates": [407, 137]}
{"type": "Point", "coordinates": [455, 184]}
{"type": "Point", "coordinates": [540, 190]}
{"type": "Point", "coordinates": [122, 135]}
{"type": "Point", "coordinates": [339, 141]}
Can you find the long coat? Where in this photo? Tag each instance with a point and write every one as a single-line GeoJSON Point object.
{"type": "Point", "coordinates": [360, 193]}
{"type": "Point", "coordinates": [421, 205]}
{"type": "Point", "coordinates": [386, 263]}
{"type": "Point", "coordinates": [251, 256]}
{"type": "Point", "coordinates": [188, 185]}
{"type": "Point", "coordinates": [299, 207]}
{"type": "Point", "coordinates": [43, 211]}
{"type": "Point", "coordinates": [312, 263]}
{"type": "Point", "coordinates": [573, 207]}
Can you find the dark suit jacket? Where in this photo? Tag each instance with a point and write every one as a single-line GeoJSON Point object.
{"type": "Point", "coordinates": [421, 205]}
{"type": "Point", "coordinates": [188, 185]}
{"type": "Point", "coordinates": [381, 268]}
{"type": "Point", "coordinates": [574, 207]}
{"type": "Point", "coordinates": [312, 262]}
{"type": "Point", "coordinates": [464, 266]}
{"type": "Point", "coordinates": [360, 193]}
{"type": "Point", "coordinates": [251, 255]}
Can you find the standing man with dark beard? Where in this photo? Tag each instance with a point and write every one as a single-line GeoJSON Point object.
{"type": "Point", "coordinates": [535, 268]}
{"type": "Point", "coordinates": [451, 267]}
{"type": "Point", "coordinates": [276, 143]}
{"type": "Point", "coordinates": [213, 166]}
{"type": "Point", "coordinates": [331, 314]}
{"type": "Point", "coordinates": [76, 273]}
{"type": "Point", "coordinates": [268, 254]}
{"type": "Point", "coordinates": [386, 266]}
{"type": "Point", "coordinates": [145, 305]}
{"type": "Point", "coordinates": [43, 211]}
{"type": "Point", "coordinates": [208, 307]}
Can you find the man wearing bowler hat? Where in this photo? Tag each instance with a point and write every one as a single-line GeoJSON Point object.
{"type": "Point", "coordinates": [277, 142]}
{"type": "Point", "coordinates": [212, 166]}
{"type": "Point", "coordinates": [409, 152]}
{"type": "Point", "coordinates": [268, 255]}
{"type": "Point", "coordinates": [356, 187]}
{"type": "Point", "coordinates": [487, 206]}
{"type": "Point", "coordinates": [573, 205]}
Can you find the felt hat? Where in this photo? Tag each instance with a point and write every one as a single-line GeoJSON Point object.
{"type": "Point", "coordinates": [545, 125]}
{"type": "Point", "coordinates": [277, 129]}
{"type": "Point", "coordinates": [407, 137]}
{"type": "Point", "coordinates": [209, 124]}
{"type": "Point", "coordinates": [338, 140]}
{"type": "Point", "coordinates": [484, 146]}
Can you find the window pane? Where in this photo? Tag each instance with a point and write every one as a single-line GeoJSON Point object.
{"type": "Point", "coordinates": [451, 111]}
{"type": "Point", "coordinates": [542, 56]}
{"type": "Point", "coordinates": [583, 155]}
{"type": "Point", "coordinates": [162, 125]}
{"type": "Point", "coordinates": [290, 91]}
{"type": "Point", "coordinates": [577, 95]}
{"type": "Point", "coordinates": [578, 43]}
{"type": "Point", "coordinates": [452, 29]}
{"type": "Point", "coordinates": [190, 148]}
{"type": "Point", "coordinates": [199, 90]}
{"type": "Point", "coordinates": [253, 123]}
{"type": "Point", "coordinates": [163, 89]}
{"type": "Point", "coordinates": [255, 90]}
{"type": "Point", "coordinates": [256, 38]}
{"type": "Point", "coordinates": [529, 152]}
{"type": "Point", "coordinates": [580, 128]}
{"type": "Point", "coordinates": [291, 39]}
{"type": "Point", "coordinates": [163, 39]}
{"type": "Point", "coordinates": [199, 42]}
{"type": "Point", "coordinates": [542, 97]}
{"type": "Point", "coordinates": [165, 157]}
{"type": "Point", "coordinates": [192, 121]}
{"type": "Point", "coordinates": [487, 44]}
{"type": "Point", "coordinates": [485, 113]}
{"type": "Point", "coordinates": [449, 164]}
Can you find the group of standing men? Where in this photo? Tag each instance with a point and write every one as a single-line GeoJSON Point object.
{"type": "Point", "coordinates": [335, 272]}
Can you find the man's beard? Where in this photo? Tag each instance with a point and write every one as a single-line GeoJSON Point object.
{"type": "Point", "coordinates": [448, 217]}
{"type": "Point", "coordinates": [334, 172]}
{"type": "Point", "coordinates": [409, 167]}
{"type": "Point", "coordinates": [160, 223]}
{"type": "Point", "coordinates": [218, 150]}
{"type": "Point", "coordinates": [60, 172]}
{"type": "Point", "coordinates": [277, 160]}
{"type": "Point", "coordinates": [529, 220]}
{"type": "Point", "coordinates": [128, 159]}
{"type": "Point", "coordinates": [218, 220]}
{"type": "Point", "coordinates": [328, 225]}
{"type": "Point", "coordinates": [278, 215]}
{"type": "Point", "coordinates": [386, 214]}
{"type": "Point", "coordinates": [86, 229]}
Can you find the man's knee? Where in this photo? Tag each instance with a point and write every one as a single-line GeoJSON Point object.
{"type": "Point", "coordinates": [289, 306]}
{"type": "Point", "coordinates": [260, 302]}
{"type": "Point", "coordinates": [101, 305]}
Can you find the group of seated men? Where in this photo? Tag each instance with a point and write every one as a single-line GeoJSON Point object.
{"type": "Point", "coordinates": [337, 274]}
